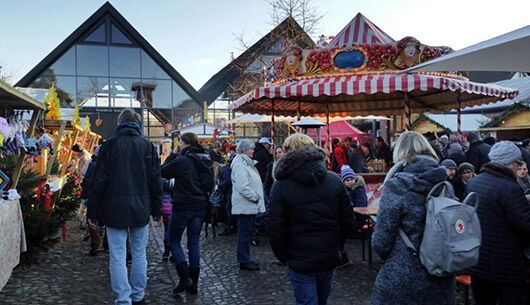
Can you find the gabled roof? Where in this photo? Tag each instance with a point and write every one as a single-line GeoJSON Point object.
{"type": "Point", "coordinates": [515, 108]}
{"type": "Point", "coordinates": [218, 83]}
{"type": "Point", "coordinates": [359, 31]}
{"type": "Point", "coordinates": [108, 10]}
{"type": "Point", "coordinates": [423, 117]}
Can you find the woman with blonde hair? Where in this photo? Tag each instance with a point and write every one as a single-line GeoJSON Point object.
{"type": "Point", "coordinates": [310, 217]}
{"type": "Point", "coordinates": [403, 279]}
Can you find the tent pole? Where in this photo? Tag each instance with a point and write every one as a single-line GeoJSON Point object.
{"type": "Point", "coordinates": [272, 124]}
{"type": "Point", "coordinates": [330, 149]}
{"type": "Point", "coordinates": [459, 117]}
{"type": "Point", "coordinates": [406, 113]}
{"type": "Point", "coordinates": [374, 127]}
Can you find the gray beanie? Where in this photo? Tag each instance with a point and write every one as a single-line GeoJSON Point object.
{"type": "Point", "coordinates": [244, 145]}
{"type": "Point", "coordinates": [448, 163]}
{"type": "Point", "coordinates": [472, 137]}
{"type": "Point", "coordinates": [504, 152]}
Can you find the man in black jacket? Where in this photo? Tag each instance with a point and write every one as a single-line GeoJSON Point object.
{"type": "Point", "coordinates": [383, 151]}
{"type": "Point", "coordinates": [126, 191]}
{"type": "Point", "coordinates": [309, 220]}
{"type": "Point", "coordinates": [263, 156]}
{"type": "Point", "coordinates": [478, 151]}
{"type": "Point", "coordinates": [504, 216]}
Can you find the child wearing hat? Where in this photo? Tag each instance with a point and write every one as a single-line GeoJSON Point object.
{"type": "Point", "coordinates": [355, 187]}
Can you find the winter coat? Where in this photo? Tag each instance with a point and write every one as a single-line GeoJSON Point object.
{"type": "Point", "coordinates": [340, 156]}
{"type": "Point", "coordinates": [269, 178]}
{"type": "Point", "coordinates": [216, 157]}
{"type": "Point", "coordinates": [478, 154]}
{"type": "Point", "coordinates": [166, 199]}
{"type": "Point", "coordinates": [225, 182]}
{"type": "Point", "coordinates": [525, 185]}
{"type": "Point", "coordinates": [310, 214]}
{"type": "Point", "coordinates": [263, 158]}
{"type": "Point", "coordinates": [504, 216]}
{"type": "Point", "coordinates": [358, 199]}
{"type": "Point", "coordinates": [194, 179]}
{"type": "Point", "coordinates": [385, 153]}
{"type": "Point", "coordinates": [459, 186]}
{"type": "Point", "coordinates": [247, 188]}
{"type": "Point", "coordinates": [403, 279]}
{"type": "Point", "coordinates": [127, 187]}
{"type": "Point", "coordinates": [88, 178]}
{"type": "Point", "coordinates": [357, 161]}
{"type": "Point", "coordinates": [456, 153]}
{"type": "Point", "coordinates": [525, 154]}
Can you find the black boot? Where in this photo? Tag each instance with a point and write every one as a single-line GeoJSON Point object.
{"type": "Point", "coordinates": [185, 281]}
{"type": "Point", "coordinates": [194, 273]}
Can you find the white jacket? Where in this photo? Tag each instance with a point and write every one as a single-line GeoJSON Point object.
{"type": "Point", "coordinates": [247, 188]}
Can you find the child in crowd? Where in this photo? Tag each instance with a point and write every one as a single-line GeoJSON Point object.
{"type": "Point", "coordinates": [167, 206]}
{"type": "Point", "coordinates": [355, 186]}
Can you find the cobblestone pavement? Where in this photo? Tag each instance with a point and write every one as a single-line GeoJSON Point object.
{"type": "Point", "coordinates": [67, 275]}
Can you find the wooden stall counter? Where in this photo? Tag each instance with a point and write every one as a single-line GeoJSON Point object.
{"type": "Point", "coordinates": [13, 240]}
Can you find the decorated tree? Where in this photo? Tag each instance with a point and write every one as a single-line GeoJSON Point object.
{"type": "Point", "coordinates": [53, 104]}
{"type": "Point", "coordinates": [75, 116]}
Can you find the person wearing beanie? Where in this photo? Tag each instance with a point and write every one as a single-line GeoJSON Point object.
{"type": "Point", "coordinates": [524, 180]}
{"type": "Point", "coordinates": [464, 173]}
{"type": "Point", "coordinates": [456, 153]}
{"type": "Point", "coordinates": [525, 154]}
{"type": "Point", "coordinates": [477, 154]}
{"type": "Point", "coordinates": [450, 167]}
{"type": "Point", "coordinates": [489, 140]}
{"type": "Point", "coordinates": [504, 215]}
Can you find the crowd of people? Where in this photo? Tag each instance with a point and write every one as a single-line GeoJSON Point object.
{"type": "Point", "coordinates": [287, 193]}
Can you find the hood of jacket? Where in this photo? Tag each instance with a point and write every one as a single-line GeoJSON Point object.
{"type": "Point", "coordinates": [199, 157]}
{"type": "Point", "coordinates": [499, 170]}
{"type": "Point", "coordinates": [128, 128]}
{"type": "Point", "coordinates": [421, 175]}
{"type": "Point", "coordinates": [360, 182]}
{"type": "Point", "coordinates": [305, 165]}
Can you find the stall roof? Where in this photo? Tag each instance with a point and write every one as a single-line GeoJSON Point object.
{"type": "Point", "coordinates": [520, 84]}
{"type": "Point", "coordinates": [470, 122]}
{"type": "Point", "coordinates": [359, 31]}
{"type": "Point", "coordinates": [14, 99]}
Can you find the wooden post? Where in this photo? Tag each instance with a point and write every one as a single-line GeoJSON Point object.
{"type": "Point", "coordinates": [20, 158]}
{"type": "Point", "coordinates": [70, 153]}
{"type": "Point", "coordinates": [459, 117]}
{"type": "Point", "coordinates": [272, 124]}
{"type": "Point", "coordinates": [55, 149]}
{"type": "Point", "coordinates": [406, 112]}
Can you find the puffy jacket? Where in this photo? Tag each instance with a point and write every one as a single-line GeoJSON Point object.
{"type": "Point", "coordinates": [127, 187]}
{"type": "Point", "coordinates": [194, 178]}
{"type": "Point", "coordinates": [504, 216]}
{"type": "Point", "coordinates": [358, 199]}
{"type": "Point", "coordinates": [225, 182]}
{"type": "Point", "coordinates": [478, 154]}
{"type": "Point", "coordinates": [262, 158]}
{"type": "Point", "coordinates": [247, 188]}
{"type": "Point", "coordinates": [310, 215]}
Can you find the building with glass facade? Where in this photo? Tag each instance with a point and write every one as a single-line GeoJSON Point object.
{"type": "Point", "coordinates": [105, 65]}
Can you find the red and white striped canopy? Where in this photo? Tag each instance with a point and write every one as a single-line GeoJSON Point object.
{"type": "Point", "coordinates": [381, 94]}
{"type": "Point", "coordinates": [359, 31]}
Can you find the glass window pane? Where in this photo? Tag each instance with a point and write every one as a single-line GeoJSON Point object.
{"type": "Point", "coordinates": [180, 98]}
{"type": "Point", "coordinates": [150, 69]}
{"type": "Point", "coordinates": [125, 62]}
{"type": "Point", "coordinates": [123, 94]}
{"type": "Point", "coordinates": [65, 86]}
{"type": "Point", "coordinates": [65, 64]}
{"type": "Point", "coordinates": [92, 60]}
{"type": "Point", "coordinates": [93, 91]}
{"type": "Point", "coordinates": [118, 36]}
{"type": "Point", "coordinates": [157, 93]}
{"type": "Point", "coordinates": [98, 35]}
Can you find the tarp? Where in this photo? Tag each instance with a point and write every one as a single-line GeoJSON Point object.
{"type": "Point", "coordinates": [507, 52]}
{"type": "Point", "coordinates": [359, 31]}
{"type": "Point", "coordinates": [339, 129]}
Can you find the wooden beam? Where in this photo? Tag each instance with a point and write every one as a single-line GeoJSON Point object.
{"type": "Point", "coordinates": [22, 155]}
{"type": "Point", "coordinates": [64, 166]}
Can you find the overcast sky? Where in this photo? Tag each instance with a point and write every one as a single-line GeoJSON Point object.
{"type": "Point", "coordinates": [197, 36]}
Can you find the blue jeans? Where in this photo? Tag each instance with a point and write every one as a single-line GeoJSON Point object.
{"type": "Point", "coordinates": [244, 232]}
{"type": "Point", "coordinates": [311, 289]}
{"type": "Point", "coordinates": [178, 222]}
{"type": "Point", "coordinates": [118, 266]}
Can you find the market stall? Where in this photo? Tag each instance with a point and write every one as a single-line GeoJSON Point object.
{"type": "Point", "coordinates": [359, 73]}
{"type": "Point", "coordinates": [513, 121]}
{"type": "Point", "coordinates": [12, 237]}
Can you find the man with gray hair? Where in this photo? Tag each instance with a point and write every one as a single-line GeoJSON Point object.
{"type": "Point", "coordinates": [215, 153]}
{"type": "Point", "coordinates": [504, 217]}
{"type": "Point", "coordinates": [126, 191]}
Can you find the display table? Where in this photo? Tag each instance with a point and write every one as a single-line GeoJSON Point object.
{"type": "Point", "coordinates": [12, 238]}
